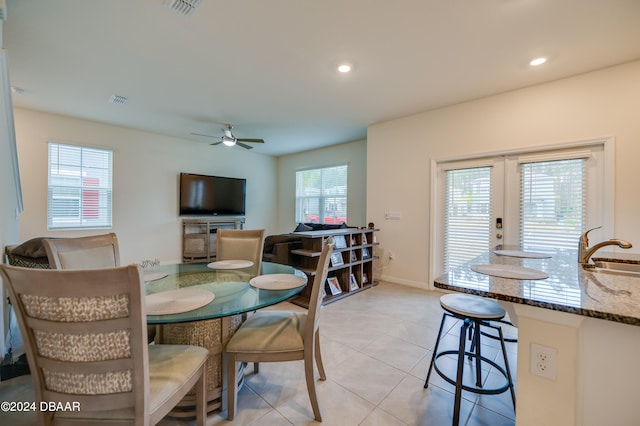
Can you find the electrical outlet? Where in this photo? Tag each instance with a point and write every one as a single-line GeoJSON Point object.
{"type": "Point", "coordinates": [392, 255]}
{"type": "Point", "coordinates": [543, 361]}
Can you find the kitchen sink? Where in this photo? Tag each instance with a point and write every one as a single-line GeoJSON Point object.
{"type": "Point", "coordinates": [617, 268]}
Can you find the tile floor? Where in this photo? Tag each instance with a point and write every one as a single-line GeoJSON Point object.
{"type": "Point", "coordinates": [376, 348]}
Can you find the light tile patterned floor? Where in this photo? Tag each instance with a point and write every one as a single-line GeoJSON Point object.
{"type": "Point", "coordinates": [376, 348]}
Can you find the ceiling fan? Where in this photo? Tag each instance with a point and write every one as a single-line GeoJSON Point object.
{"type": "Point", "coordinates": [230, 140]}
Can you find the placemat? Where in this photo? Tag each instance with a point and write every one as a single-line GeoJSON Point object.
{"type": "Point", "coordinates": [151, 275]}
{"type": "Point", "coordinates": [509, 271]}
{"type": "Point", "coordinates": [177, 301]}
{"type": "Point", "coordinates": [519, 253]}
{"type": "Point", "coordinates": [277, 281]}
{"type": "Point", "coordinates": [230, 264]}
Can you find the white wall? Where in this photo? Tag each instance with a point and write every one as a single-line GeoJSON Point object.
{"type": "Point", "coordinates": [145, 184]}
{"type": "Point", "coordinates": [602, 103]}
{"type": "Point", "coordinates": [353, 153]}
{"type": "Point", "coordinates": [8, 198]}
{"type": "Point", "coordinates": [145, 181]}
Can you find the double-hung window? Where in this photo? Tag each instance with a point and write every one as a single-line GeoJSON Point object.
{"type": "Point", "coordinates": [541, 200]}
{"type": "Point", "coordinates": [79, 187]}
{"type": "Point", "coordinates": [321, 195]}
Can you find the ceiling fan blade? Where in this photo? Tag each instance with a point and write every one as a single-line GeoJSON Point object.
{"type": "Point", "coordinates": [206, 136]}
{"type": "Point", "coordinates": [216, 143]}
{"type": "Point", "coordinates": [244, 145]}
{"type": "Point", "coordinates": [250, 140]}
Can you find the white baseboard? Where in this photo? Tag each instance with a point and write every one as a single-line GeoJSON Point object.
{"type": "Point", "coordinates": [408, 283]}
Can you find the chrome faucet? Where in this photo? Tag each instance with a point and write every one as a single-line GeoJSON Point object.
{"type": "Point", "coordinates": [585, 252]}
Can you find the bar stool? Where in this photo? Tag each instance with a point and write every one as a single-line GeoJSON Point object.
{"type": "Point", "coordinates": [474, 312]}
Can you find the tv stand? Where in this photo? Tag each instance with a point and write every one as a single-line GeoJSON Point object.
{"type": "Point", "coordinates": [199, 236]}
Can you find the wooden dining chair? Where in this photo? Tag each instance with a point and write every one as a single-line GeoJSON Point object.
{"type": "Point", "coordinates": [275, 336]}
{"type": "Point", "coordinates": [240, 244]}
{"type": "Point", "coordinates": [92, 252]}
{"type": "Point", "coordinates": [86, 342]}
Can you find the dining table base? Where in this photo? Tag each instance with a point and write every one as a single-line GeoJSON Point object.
{"type": "Point", "coordinates": [212, 334]}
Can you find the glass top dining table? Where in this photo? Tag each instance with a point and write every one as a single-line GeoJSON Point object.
{"type": "Point", "coordinates": [233, 292]}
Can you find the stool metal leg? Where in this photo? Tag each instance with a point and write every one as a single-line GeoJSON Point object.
{"type": "Point", "coordinates": [473, 342]}
{"type": "Point", "coordinates": [461, 350]}
{"type": "Point", "coordinates": [435, 349]}
{"type": "Point", "coordinates": [506, 367]}
{"type": "Point", "coordinates": [478, 351]}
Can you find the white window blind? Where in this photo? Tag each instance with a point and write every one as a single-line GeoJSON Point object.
{"type": "Point", "coordinates": [321, 195]}
{"type": "Point", "coordinates": [79, 187]}
{"type": "Point", "coordinates": [552, 203]}
{"type": "Point", "coordinates": [467, 215]}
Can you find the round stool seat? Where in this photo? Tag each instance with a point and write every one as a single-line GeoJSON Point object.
{"type": "Point", "coordinates": [470, 306]}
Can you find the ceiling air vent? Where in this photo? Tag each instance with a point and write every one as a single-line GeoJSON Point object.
{"type": "Point", "coordinates": [3, 10]}
{"type": "Point", "coordinates": [183, 7]}
{"type": "Point", "coordinates": [118, 100]}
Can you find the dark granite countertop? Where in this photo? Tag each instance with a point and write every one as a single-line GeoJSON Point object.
{"type": "Point", "coordinates": [569, 288]}
{"type": "Point", "coordinates": [617, 257]}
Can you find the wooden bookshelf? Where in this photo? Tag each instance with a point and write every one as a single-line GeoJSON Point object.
{"type": "Point", "coordinates": [358, 242]}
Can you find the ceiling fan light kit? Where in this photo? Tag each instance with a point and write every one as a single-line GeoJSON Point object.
{"type": "Point", "coordinates": [229, 139]}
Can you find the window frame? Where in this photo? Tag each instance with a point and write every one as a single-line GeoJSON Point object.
{"type": "Point", "coordinates": [97, 213]}
{"type": "Point", "coordinates": [300, 216]}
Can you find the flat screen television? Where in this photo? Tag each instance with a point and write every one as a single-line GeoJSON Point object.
{"type": "Point", "coordinates": [202, 195]}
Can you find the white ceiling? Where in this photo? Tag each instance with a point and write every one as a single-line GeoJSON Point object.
{"type": "Point", "coordinates": [268, 66]}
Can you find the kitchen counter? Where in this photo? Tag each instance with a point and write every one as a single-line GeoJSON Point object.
{"type": "Point", "coordinates": [569, 288]}
{"type": "Point", "coordinates": [588, 320]}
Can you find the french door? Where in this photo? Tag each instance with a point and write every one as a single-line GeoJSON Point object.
{"type": "Point", "coordinates": [533, 200]}
{"type": "Point", "coordinates": [472, 205]}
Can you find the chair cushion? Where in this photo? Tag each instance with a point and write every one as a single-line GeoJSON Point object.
{"type": "Point", "coordinates": [27, 262]}
{"type": "Point", "coordinates": [169, 367]}
{"type": "Point", "coordinates": [31, 248]}
{"type": "Point", "coordinates": [310, 226]}
{"type": "Point", "coordinates": [270, 331]}
{"type": "Point", "coordinates": [303, 228]}
{"type": "Point", "coordinates": [30, 254]}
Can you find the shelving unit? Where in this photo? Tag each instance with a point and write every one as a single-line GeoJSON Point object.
{"type": "Point", "coordinates": [199, 236]}
{"type": "Point", "coordinates": [356, 255]}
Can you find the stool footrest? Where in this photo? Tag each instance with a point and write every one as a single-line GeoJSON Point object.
{"type": "Point", "coordinates": [475, 389]}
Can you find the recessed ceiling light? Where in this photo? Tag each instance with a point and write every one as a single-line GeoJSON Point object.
{"type": "Point", "coordinates": [538, 61]}
{"type": "Point", "coordinates": [344, 68]}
